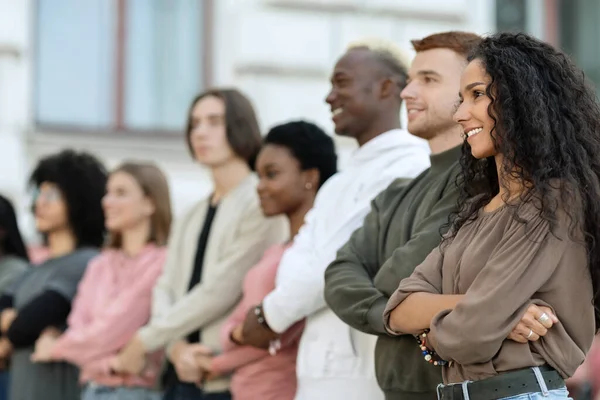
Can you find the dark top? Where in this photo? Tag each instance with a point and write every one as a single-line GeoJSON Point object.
{"type": "Point", "coordinates": [194, 337]}
{"type": "Point", "coordinates": [170, 377]}
{"type": "Point", "coordinates": [55, 280]}
{"type": "Point", "coordinates": [48, 309]}
{"type": "Point", "coordinates": [399, 232]}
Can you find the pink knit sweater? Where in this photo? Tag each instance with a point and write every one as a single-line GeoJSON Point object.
{"type": "Point", "coordinates": [257, 374]}
{"type": "Point", "coordinates": [113, 301]}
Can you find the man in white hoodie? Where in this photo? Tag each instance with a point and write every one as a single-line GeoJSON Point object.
{"type": "Point", "coordinates": [334, 360]}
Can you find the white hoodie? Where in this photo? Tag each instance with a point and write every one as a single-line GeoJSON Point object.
{"type": "Point", "coordinates": [334, 360]}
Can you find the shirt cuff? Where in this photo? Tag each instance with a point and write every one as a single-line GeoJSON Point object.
{"type": "Point", "coordinates": [275, 315]}
{"type": "Point", "coordinates": [150, 339]}
{"type": "Point", "coordinates": [375, 315]}
{"type": "Point", "coordinates": [385, 318]}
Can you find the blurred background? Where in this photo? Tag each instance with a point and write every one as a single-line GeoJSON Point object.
{"type": "Point", "coordinates": [115, 77]}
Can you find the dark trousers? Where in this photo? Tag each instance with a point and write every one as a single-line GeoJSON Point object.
{"type": "Point", "coordinates": [189, 391]}
{"type": "Point", "coordinates": [4, 379]}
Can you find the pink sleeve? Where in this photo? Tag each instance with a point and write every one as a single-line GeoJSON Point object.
{"type": "Point", "coordinates": [79, 317]}
{"type": "Point", "coordinates": [259, 281]}
{"type": "Point", "coordinates": [292, 335]}
{"type": "Point", "coordinates": [114, 327]}
{"type": "Point", "coordinates": [236, 318]}
{"type": "Point", "coordinates": [237, 358]}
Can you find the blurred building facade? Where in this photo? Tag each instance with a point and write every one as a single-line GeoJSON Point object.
{"type": "Point", "coordinates": [115, 77]}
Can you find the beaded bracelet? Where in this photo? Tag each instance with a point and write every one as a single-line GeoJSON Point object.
{"type": "Point", "coordinates": [429, 355]}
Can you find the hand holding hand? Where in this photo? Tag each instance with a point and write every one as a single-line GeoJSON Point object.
{"type": "Point", "coordinates": [132, 359]}
{"type": "Point", "coordinates": [205, 364]}
{"type": "Point", "coordinates": [183, 356]}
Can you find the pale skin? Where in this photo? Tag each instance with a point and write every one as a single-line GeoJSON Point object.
{"type": "Point", "coordinates": [128, 212]}
{"type": "Point", "coordinates": [415, 313]}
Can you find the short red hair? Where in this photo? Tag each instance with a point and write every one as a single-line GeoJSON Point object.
{"type": "Point", "coordinates": [457, 41]}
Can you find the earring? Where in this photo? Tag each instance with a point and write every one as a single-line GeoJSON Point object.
{"type": "Point", "coordinates": [308, 186]}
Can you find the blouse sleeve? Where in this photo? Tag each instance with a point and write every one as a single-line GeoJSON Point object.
{"type": "Point", "coordinates": [427, 278]}
{"type": "Point", "coordinates": [259, 281]}
{"type": "Point", "coordinates": [205, 302]}
{"type": "Point", "coordinates": [79, 315]}
{"type": "Point", "coordinates": [523, 261]}
{"type": "Point", "coordinates": [110, 329]}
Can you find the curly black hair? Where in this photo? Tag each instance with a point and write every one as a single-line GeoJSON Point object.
{"type": "Point", "coordinates": [11, 241]}
{"type": "Point", "coordinates": [547, 118]}
{"type": "Point", "coordinates": [81, 179]}
{"type": "Point", "coordinates": [309, 144]}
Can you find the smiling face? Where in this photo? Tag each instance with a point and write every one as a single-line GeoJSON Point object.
{"type": "Point", "coordinates": [472, 114]}
{"type": "Point", "coordinates": [284, 186]}
{"type": "Point", "coordinates": [354, 97]}
{"type": "Point", "coordinates": [430, 94]}
{"type": "Point", "coordinates": [125, 204]}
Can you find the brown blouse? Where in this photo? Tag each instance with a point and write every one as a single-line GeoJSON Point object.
{"type": "Point", "coordinates": [502, 266]}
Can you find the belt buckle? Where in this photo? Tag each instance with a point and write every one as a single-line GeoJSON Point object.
{"type": "Point", "coordinates": [442, 386]}
{"type": "Point", "coordinates": [438, 391]}
{"type": "Point", "coordinates": [464, 390]}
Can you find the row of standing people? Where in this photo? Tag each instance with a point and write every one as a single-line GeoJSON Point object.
{"type": "Point", "coordinates": [68, 322]}
{"type": "Point", "coordinates": [506, 305]}
{"type": "Point", "coordinates": [515, 172]}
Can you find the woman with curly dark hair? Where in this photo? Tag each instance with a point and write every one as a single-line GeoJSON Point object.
{"type": "Point", "coordinates": [69, 187]}
{"type": "Point", "coordinates": [296, 159]}
{"type": "Point", "coordinates": [527, 231]}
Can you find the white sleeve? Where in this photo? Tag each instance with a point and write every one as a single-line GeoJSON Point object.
{"type": "Point", "coordinates": [300, 283]}
{"type": "Point", "coordinates": [293, 297]}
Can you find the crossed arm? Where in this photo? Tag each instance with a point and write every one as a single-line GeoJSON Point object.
{"type": "Point", "coordinates": [415, 314]}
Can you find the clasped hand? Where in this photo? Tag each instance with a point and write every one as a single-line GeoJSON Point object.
{"type": "Point", "coordinates": [534, 324]}
{"type": "Point", "coordinates": [192, 362]}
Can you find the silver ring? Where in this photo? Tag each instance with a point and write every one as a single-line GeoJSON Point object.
{"type": "Point", "coordinates": [530, 333]}
{"type": "Point", "coordinates": [544, 318]}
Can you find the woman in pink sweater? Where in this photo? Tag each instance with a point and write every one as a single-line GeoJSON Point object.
{"type": "Point", "coordinates": [114, 297]}
{"type": "Point", "coordinates": [296, 159]}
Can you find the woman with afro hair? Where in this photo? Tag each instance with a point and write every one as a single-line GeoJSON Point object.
{"type": "Point", "coordinates": [295, 160]}
{"type": "Point", "coordinates": [69, 187]}
{"type": "Point", "coordinates": [527, 231]}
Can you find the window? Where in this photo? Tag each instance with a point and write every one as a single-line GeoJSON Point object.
{"type": "Point", "coordinates": [569, 24]}
{"type": "Point", "coordinates": [117, 65]}
{"type": "Point", "coordinates": [511, 15]}
{"type": "Point", "coordinates": [579, 34]}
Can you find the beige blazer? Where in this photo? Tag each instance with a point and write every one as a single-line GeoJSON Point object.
{"type": "Point", "coordinates": [239, 235]}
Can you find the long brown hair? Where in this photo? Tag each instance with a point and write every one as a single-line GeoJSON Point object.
{"type": "Point", "coordinates": [154, 185]}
